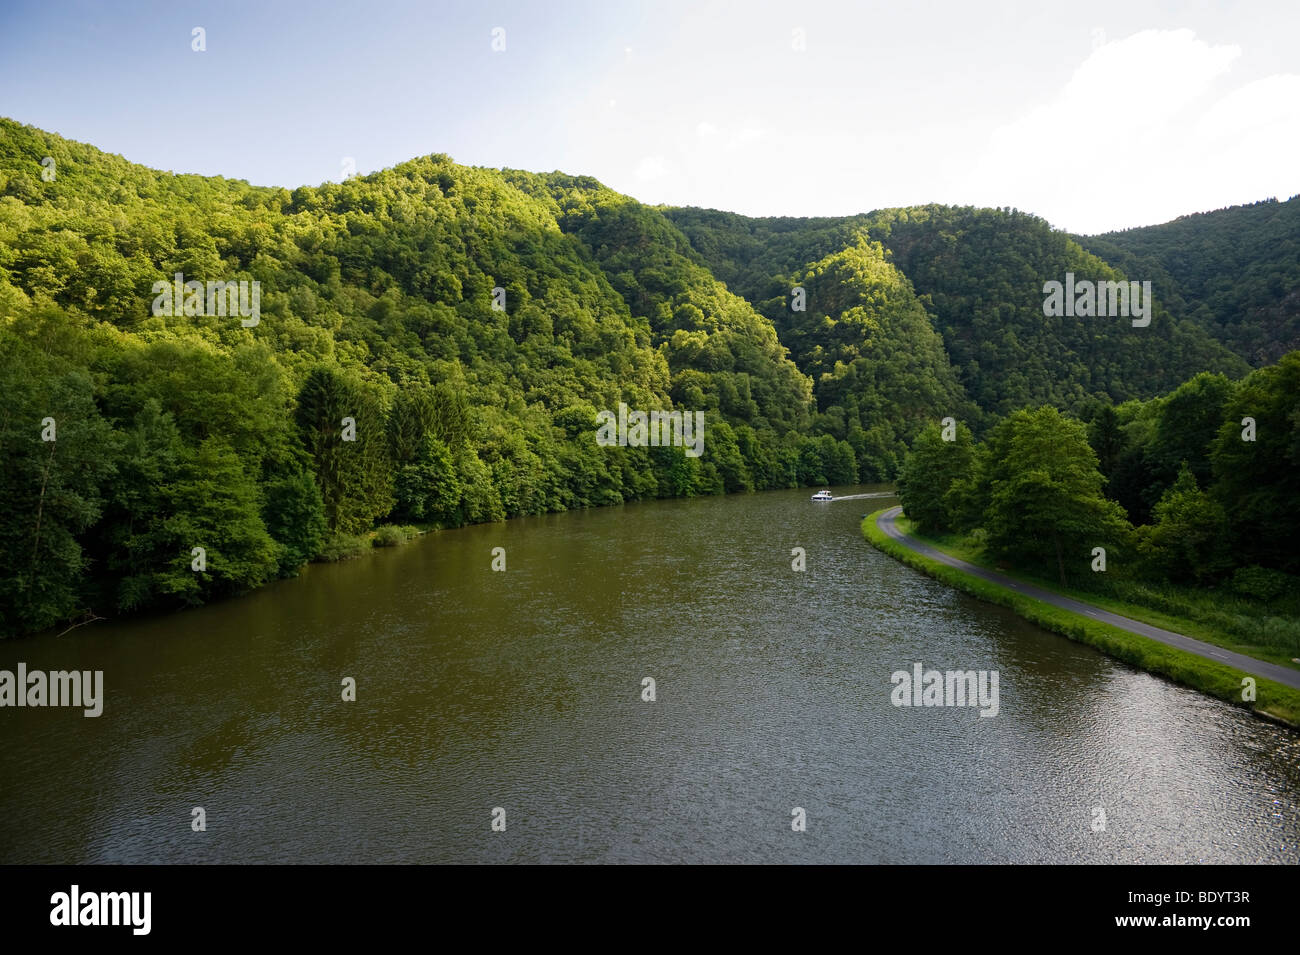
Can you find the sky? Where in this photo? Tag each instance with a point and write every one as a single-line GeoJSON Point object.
{"type": "Point", "coordinates": [1095, 116]}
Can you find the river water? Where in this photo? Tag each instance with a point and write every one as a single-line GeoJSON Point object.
{"type": "Point", "coordinates": [478, 689]}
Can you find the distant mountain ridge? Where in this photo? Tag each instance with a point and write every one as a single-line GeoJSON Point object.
{"type": "Point", "coordinates": [980, 275]}
{"type": "Point", "coordinates": [1234, 271]}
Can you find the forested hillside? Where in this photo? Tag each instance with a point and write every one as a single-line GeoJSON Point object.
{"type": "Point", "coordinates": [879, 369]}
{"type": "Point", "coordinates": [377, 306]}
{"type": "Point", "coordinates": [1236, 272]}
{"type": "Point", "coordinates": [979, 273]}
{"type": "Point", "coordinates": [433, 342]}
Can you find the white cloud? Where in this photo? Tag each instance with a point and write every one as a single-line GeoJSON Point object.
{"type": "Point", "coordinates": [1143, 132]}
{"type": "Point", "coordinates": [1152, 73]}
{"type": "Point", "coordinates": [1255, 106]}
{"type": "Point", "coordinates": [651, 168]}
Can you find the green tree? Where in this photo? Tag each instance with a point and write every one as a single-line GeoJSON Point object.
{"type": "Point", "coordinates": [1188, 542]}
{"type": "Point", "coordinates": [811, 464]}
{"type": "Point", "coordinates": [928, 474]}
{"type": "Point", "coordinates": [51, 488]}
{"type": "Point", "coordinates": [1258, 482]}
{"type": "Point", "coordinates": [429, 488]}
{"type": "Point", "coordinates": [135, 542]}
{"type": "Point", "coordinates": [215, 505]}
{"type": "Point", "coordinates": [294, 514]}
{"type": "Point", "coordinates": [343, 427]}
{"type": "Point", "coordinates": [841, 462]}
{"type": "Point", "coordinates": [479, 500]}
{"type": "Point", "coordinates": [1106, 438]}
{"type": "Point", "coordinates": [1046, 499]}
{"type": "Point", "coordinates": [722, 450]}
{"type": "Point", "coordinates": [1189, 419]}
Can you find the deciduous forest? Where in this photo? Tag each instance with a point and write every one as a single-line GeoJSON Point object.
{"type": "Point", "coordinates": [470, 323]}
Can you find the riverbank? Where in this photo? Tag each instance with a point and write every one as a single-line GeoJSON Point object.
{"type": "Point", "coordinates": [1272, 701]}
{"type": "Point", "coordinates": [523, 688]}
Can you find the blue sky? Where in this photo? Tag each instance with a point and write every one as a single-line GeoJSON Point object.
{"type": "Point", "coordinates": [1109, 116]}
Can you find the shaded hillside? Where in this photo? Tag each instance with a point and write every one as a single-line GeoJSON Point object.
{"type": "Point", "coordinates": [980, 275]}
{"type": "Point", "coordinates": [879, 369]}
{"type": "Point", "coordinates": [1236, 272]}
{"type": "Point", "coordinates": [877, 378]}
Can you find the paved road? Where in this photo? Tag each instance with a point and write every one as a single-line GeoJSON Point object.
{"type": "Point", "coordinates": [1271, 671]}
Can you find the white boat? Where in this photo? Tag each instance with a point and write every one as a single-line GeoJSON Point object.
{"type": "Point", "coordinates": [823, 496]}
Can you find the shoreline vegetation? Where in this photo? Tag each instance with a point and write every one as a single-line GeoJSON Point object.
{"type": "Point", "coordinates": [1275, 702]}
{"type": "Point", "coordinates": [437, 345]}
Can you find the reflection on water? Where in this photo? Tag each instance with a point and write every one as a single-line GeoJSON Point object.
{"type": "Point", "coordinates": [523, 690]}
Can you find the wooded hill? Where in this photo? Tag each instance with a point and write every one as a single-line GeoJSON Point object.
{"type": "Point", "coordinates": [379, 303]}
{"type": "Point", "coordinates": [1235, 272]}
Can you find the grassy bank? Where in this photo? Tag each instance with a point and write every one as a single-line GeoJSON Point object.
{"type": "Point", "coordinates": [1269, 632]}
{"type": "Point", "coordinates": [347, 546]}
{"type": "Point", "coordinates": [1273, 700]}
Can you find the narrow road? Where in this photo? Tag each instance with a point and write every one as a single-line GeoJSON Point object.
{"type": "Point", "coordinates": [1271, 671]}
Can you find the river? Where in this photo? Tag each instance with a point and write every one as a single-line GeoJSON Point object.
{"type": "Point", "coordinates": [522, 689]}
